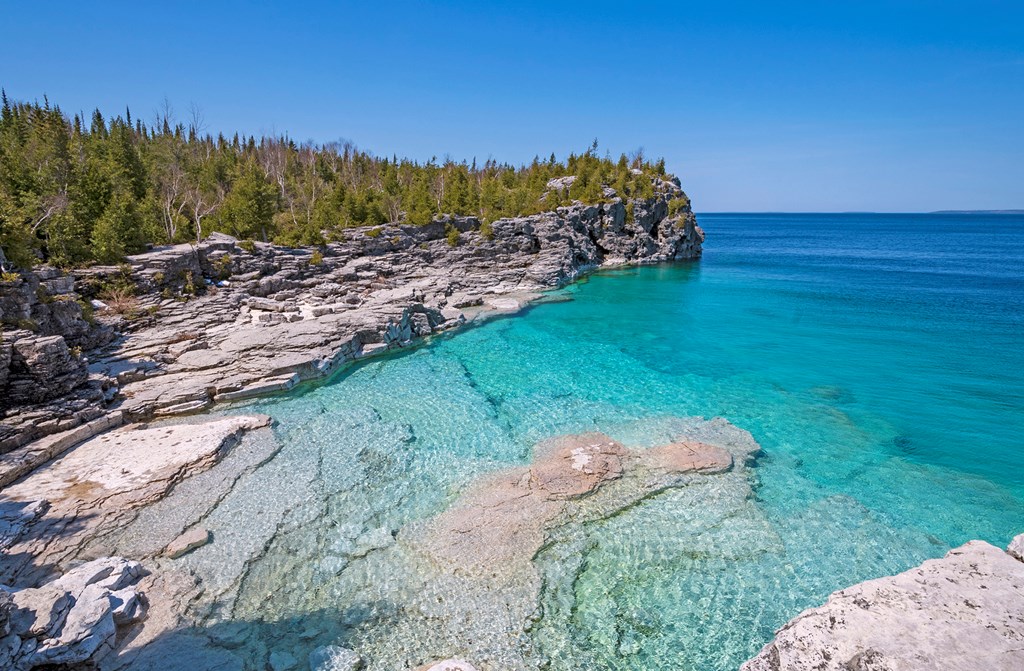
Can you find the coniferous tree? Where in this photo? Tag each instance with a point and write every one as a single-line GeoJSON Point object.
{"type": "Point", "coordinates": [74, 194]}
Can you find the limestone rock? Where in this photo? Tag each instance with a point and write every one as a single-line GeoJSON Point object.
{"type": "Point", "coordinates": [282, 661]}
{"type": "Point", "coordinates": [448, 665]}
{"type": "Point", "coordinates": [1016, 548]}
{"type": "Point", "coordinates": [964, 611]}
{"type": "Point", "coordinates": [575, 465]}
{"type": "Point", "coordinates": [106, 478]}
{"type": "Point", "coordinates": [334, 658]}
{"type": "Point", "coordinates": [71, 620]}
{"type": "Point", "coordinates": [690, 457]}
{"type": "Point", "coordinates": [196, 537]}
{"type": "Point", "coordinates": [498, 525]}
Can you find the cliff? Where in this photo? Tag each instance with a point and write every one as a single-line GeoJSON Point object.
{"type": "Point", "coordinates": [225, 319]}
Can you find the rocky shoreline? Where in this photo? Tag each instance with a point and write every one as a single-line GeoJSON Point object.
{"type": "Point", "coordinates": [113, 556]}
{"type": "Point", "coordinates": [226, 319]}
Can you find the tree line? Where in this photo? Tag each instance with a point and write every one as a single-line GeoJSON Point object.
{"type": "Point", "coordinates": [75, 191]}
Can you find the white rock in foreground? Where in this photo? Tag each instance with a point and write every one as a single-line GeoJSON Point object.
{"type": "Point", "coordinates": [964, 611]}
{"type": "Point", "coordinates": [71, 620]}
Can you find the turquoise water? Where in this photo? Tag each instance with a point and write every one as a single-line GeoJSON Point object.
{"type": "Point", "coordinates": [877, 359]}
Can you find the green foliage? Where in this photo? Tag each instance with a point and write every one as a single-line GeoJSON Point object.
{"type": "Point", "coordinates": [88, 312]}
{"type": "Point", "coordinates": [374, 232]}
{"type": "Point", "coordinates": [248, 211]}
{"type": "Point", "coordinates": [10, 277]}
{"type": "Point", "coordinates": [317, 258]}
{"type": "Point", "coordinates": [452, 235]}
{"type": "Point", "coordinates": [487, 230]}
{"type": "Point", "coordinates": [247, 245]}
{"type": "Point", "coordinates": [223, 266]}
{"type": "Point", "coordinates": [76, 191]}
{"type": "Point", "coordinates": [677, 205]}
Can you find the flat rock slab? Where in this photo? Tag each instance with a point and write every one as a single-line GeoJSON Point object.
{"type": "Point", "coordinates": [964, 611]}
{"type": "Point", "coordinates": [689, 456]}
{"type": "Point", "coordinates": [196, 537]}
{"type": "Point", "coordinates": [500, 524]}
{"type": "Point", "coordinates": [572, 466]}
{"type": "Point", "coordinates": [102, 482]}
{"type": "Point", "coordinates": [132, 459]}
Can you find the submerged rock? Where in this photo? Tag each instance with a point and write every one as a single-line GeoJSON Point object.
{"type": "Point", "coordinates": [501, 523]}
{"type": "Point", "coordinates": [448, 665]}
{"type": "Point", "coordinates": [196, 537]}
{"type": "Point", "coordinates": [964, 611]}
{"type": "Point", "coordinates": [334, 658]}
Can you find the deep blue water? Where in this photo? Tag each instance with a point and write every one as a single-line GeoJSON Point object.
{"type": "Point", "coordinates": [876, 358]}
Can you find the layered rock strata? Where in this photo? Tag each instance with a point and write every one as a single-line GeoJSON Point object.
{"type": "Point", "coordinates": [226, 320]}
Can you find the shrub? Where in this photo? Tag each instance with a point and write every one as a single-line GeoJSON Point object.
{"type": "Point", "coordinates": [188, 283]}
{"type": "Point", "coordinates": [120, 300]}
{"type": "Point", "coordinates": [677, 205]}
{"type": "Point", "coordinates": [222, 266]}
{"type": "Point", "coordinates": [317, 258]}
{"type": "Point", "coordinates": [487, 230]}
{"type": "Point", "coordinates": [247, 245]}
{"type": "Point", "coordinates": [374, 232]}
{"type": "Point", "coordinates": [452, 235]}
{"type": "Point", "coordinates": [88, 312]}
{"type": "Point", "coordinates": [9, 277]}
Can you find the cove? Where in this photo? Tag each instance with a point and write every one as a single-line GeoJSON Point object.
{"type": "Point", "coordinates": [875, 358]}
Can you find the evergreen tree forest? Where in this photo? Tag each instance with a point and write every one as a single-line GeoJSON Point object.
{"type": "Point", "coordinates": [77, 191]}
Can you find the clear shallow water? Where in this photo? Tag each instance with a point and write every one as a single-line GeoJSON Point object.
{"type": "Point", "coordinates": [876, 358]}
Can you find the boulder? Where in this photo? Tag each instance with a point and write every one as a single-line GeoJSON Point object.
{"type": "Point", "coordinates": [1016, 548]}
{"type": "Point", "coordinates": [448, 665]}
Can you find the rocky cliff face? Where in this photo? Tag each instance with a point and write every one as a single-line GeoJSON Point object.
{"type": "Point", "coordinates": [44, 333]}
{"type": "Point", "coordinates": [225, 320]}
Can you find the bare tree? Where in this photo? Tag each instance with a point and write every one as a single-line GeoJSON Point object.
{"type": "Point", "coordinates": [197, 123]}
{"type": "Point", "coordinates": [273, 154]}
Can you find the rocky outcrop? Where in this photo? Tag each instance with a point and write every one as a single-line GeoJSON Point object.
{"type": "Point", "coordinates": [225, 320]}
{"type": "Point", "coordinates": [44, 382]}
{"type": "Point", "coordinates": [964, 611]}
{"type": "Point", "coordinates": [72, 621]}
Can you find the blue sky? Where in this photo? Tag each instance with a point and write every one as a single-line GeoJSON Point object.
{"type": "Point", "coordinates": [812, 106]}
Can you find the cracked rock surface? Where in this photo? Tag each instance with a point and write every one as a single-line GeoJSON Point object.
{"type": "Point", "coordinates": [72, 620]}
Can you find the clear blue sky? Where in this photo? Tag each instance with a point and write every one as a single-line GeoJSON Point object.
{"type": "Point", "coordinates": [810, 106]}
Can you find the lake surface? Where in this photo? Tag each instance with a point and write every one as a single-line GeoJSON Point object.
{"type": "Point", "coordinates": [877, 359]}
